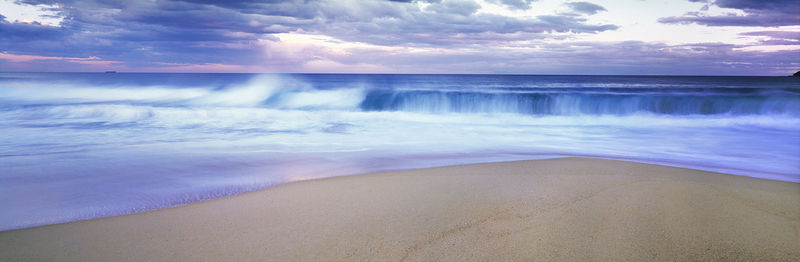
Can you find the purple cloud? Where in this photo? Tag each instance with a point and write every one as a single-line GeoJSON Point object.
{"type": "Point", "coordinates": [788, 35]}
{"type": "Point", "coordinates": [517, 4]}
{"type": "Point", "coordinates": [445, 36]}
{"type": "Point", "coordinates": [629, 57]}
{"type": "Point", "coordinates": [459, 7]}
{"type": "Point", "coordinates": [777, 37]}
{"type": "Point", "coordinates": [758, 13]}
{"type": "Point", "coordinates": [224, 31]}
{"type": "Point", "coordinates": [585, 7]}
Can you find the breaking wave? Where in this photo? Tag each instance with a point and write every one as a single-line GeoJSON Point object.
{"type": "Point", "coordinates": [281, 92]}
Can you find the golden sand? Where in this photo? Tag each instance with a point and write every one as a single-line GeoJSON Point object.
{"type": "Point", "coordinates": [558, 209]}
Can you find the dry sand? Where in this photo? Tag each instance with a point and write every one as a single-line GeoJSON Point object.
{"type": "Point", "coordinates": [559, 209]}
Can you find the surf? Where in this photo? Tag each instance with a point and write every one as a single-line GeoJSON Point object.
{"type": "Point", "coordinates": [109, 144]}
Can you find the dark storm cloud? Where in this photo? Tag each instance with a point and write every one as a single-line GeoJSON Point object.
{"type": "Point", "coordinates": [585, 7]}
{"type": "Point", "coordinates": [758, 13]}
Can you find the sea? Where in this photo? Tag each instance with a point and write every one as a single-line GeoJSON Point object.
{"type": "Point", "coordinates": [77, 146]}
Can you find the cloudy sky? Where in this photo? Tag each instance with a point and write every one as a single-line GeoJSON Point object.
{"type": "Point", "coordinates": [683, 37]}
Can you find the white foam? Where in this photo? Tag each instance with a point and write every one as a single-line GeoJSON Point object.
{"type": "Point", "coordinates": [253, 93]}
{"type": "Point", "coordinates": [65, 93]}
{"type": "Point", "coordinates": [261, 91]}
{"type": "Point", "coordinates": [347, 99]}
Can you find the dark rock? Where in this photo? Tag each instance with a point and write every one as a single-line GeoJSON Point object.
{"type": "Point", "coordinates": [797, 74]}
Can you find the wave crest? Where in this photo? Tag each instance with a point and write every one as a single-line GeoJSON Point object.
{"type": "Point", "coordinates": [574, 103]}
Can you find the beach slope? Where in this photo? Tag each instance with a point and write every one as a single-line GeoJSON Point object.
{"type": "Point", "coordinates": [557, 209]}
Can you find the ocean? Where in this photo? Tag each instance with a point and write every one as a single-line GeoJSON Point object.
{"type": "Point", "coordinates": [76, 146]}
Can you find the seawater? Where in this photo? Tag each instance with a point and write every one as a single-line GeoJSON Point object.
{"type": "Point", "coordinates": [83, 145]}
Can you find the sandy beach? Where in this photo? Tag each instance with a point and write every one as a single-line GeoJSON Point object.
{"type": "Point", "coordinates": [559, 209]}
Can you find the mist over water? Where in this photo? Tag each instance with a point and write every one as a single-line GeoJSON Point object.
{"type": "Point", "coordinates": [77, 146]}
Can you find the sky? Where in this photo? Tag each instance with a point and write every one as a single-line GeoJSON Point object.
{"type": "Point", "coordinates": [620, 37]}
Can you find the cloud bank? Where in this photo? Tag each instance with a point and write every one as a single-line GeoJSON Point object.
{"type": "Point", "coordinates": [414, 36]}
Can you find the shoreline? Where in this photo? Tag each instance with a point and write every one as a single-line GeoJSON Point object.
{"type": "Point", "coordinates": [771, 176]}
{"type": "Point", "coordinates": [780, 177]}
{"type": "Point", "coordinates": [553, 209]}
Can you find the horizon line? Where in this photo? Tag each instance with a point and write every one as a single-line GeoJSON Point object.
{"type": "Point", "coordinates": [354, 73]}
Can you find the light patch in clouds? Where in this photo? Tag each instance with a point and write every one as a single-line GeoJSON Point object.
{"type": "Point", "coordinates": [295, 52]}
{"type": "Point", "coordinates": [639, 21]}
{"type": "Point", "coordinates": [22, 13]}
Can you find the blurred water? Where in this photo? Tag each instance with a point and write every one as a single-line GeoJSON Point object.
{"type": "Point", "coordinates": [79, 145]}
